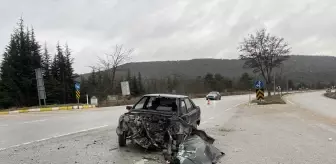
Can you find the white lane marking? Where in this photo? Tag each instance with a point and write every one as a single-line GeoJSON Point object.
{"type": "Point", "coordinates": [211, 118]}
{"type": "Point", "coordinates": [228, 109]}
{"type": "Point", "coordinates": [4, 125]}
{"type": "Point", "coordinates": [204, 122]}
{"type": "Point", "coordinates": [28, 122]}
{"type": "Point", "coordinates": [57, 136]}
{"type": "Point", "coordinates": [238, 105]}
{"type": "Point", "coordinates": [290, 102]}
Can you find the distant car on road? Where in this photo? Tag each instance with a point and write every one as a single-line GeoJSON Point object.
{"type": "Point", "coordinates": [159, 120]}
{"type": "Point", "coordinates": [214, 95]}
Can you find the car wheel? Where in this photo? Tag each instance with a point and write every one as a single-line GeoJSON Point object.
{"type": "Point", "coordinates": [122, 139]}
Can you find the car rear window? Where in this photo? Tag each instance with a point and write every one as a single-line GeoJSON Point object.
{"type": "Point", "coordinates": [159, 104]}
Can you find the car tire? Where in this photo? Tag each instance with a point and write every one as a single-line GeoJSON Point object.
{"type": "Point", "coordinates": [122, 139]}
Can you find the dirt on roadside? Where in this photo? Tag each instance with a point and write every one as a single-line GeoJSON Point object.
{"type": "Point", "coordinates": [277, 134]}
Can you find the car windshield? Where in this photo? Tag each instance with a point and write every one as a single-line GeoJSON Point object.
{"type": "Point", "coordinates": [213, 93]}
{"type": "Point", "coordinates": [157, 103]}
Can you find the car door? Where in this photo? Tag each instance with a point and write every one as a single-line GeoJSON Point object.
{"type": "Point", "coordinates": [184, 112]}
{"type": "Point", "coordinates": [192, 112]}
{"type": "Point", "coordinates": [198, 110]}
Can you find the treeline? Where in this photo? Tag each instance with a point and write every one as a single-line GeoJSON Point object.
{"type": "Point", "coordinates": [94, 85]}
{"type": "Point", "coordinates": [22, 56]}
{"type": "Point", "coordinates": [97, 82]}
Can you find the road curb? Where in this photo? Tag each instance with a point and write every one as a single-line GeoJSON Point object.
{"type": "Point", "coordinates": [79, 107]}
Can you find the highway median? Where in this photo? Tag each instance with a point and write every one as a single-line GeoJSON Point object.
{"type": "Point", "coordinates": [274, 99]}
{"type": "Point", "coordinates": [331, 95]}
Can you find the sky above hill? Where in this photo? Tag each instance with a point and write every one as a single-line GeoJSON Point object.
{"type": "Point", "coordinates": [170, 29]}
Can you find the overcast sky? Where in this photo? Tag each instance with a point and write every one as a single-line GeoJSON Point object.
{"type": "Point", "coordinates": [170, 29]}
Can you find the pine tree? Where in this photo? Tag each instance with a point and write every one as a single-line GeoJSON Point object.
{"type": "Point", "coordinates": [128, 77]}
{"type": "Point", "coordinates": [69, 75]}
{"type": "Point", "coordinates": [140, 84]}
{"type": "Point", "coordinates": [21, 58]}
{"type": "Point", "coordinates": [46, 63]}
{"type": "Point", "coordinates": [46, 70]}
{"type": "Point", "coordinates": [134, 86]}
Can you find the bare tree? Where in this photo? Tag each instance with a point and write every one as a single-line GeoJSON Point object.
{"type": "Point", "coordinates": [263, 52]}
{"type": "Point", "coordinates": [112, 61]}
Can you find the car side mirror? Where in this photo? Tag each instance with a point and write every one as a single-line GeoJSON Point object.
{"type": "Point", "coordinates": [128, 107]}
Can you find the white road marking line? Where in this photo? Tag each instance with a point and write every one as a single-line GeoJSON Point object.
{"type": "Point", "coordinates": [228, 109]}
{"type": "Point", "coordinates": [28, 122]}
{"type": "Point", "coordinates": [238, 104]}
{"type": "Point", "coordinates": [211, 118]}
{"type": "Point", "coordinates": [57, 136]}
{"type": "Point", "coordinates": [204, 122]}
{"type": "Point", "coordinates": [4, 125]}
{"type": "Point", "coordinates": [290, 102]}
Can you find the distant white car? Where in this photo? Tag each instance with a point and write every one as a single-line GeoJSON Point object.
{"type": "Point", "coordinates": [214, 95]}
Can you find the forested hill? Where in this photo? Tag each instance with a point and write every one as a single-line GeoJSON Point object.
{"type": "Point", "coordinates": [299, 68]}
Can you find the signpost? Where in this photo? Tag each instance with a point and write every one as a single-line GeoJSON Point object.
{"type": "Point", "coordinates": [260, 94]}
{"type": "Point", "coordinates": [259, 85]}
{"type": "Point", "coordinates": [40, 86]}
{"type": "Point", "coordinates": [77, 87]}
{"type": "Point", "coordinates": [125, 88]}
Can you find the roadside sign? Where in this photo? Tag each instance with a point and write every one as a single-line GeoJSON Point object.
{"type": "Point", "coordinates": [259, 84]}
{"type": "Point", "coordinates": [260, 94]}
{"type": "Point", "coordinates": [40, 86]}
{"type": "Point", "coordinates": [77, 87]}
{"type": "Point", "coordinates": [125, 90]}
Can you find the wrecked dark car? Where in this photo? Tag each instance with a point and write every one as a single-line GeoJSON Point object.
{"type": "Point", "coordinates": [162, 121]}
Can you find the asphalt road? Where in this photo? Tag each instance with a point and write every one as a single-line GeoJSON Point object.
{"type": "Point", "coordinates": [314, 101]}
{"type": "Point", "coordinates": [263, 134]}
{"type": "Point", "coordinates": [22, 129]}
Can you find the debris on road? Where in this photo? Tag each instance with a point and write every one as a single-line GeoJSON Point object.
{"type": "Point", "coordinates": [198, 149]}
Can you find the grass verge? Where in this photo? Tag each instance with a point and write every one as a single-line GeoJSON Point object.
{"type": "Point", "coordinates": [275, 99]}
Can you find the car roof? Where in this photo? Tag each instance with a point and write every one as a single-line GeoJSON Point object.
{"type": "Point", "coordinates": [166, 95]}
